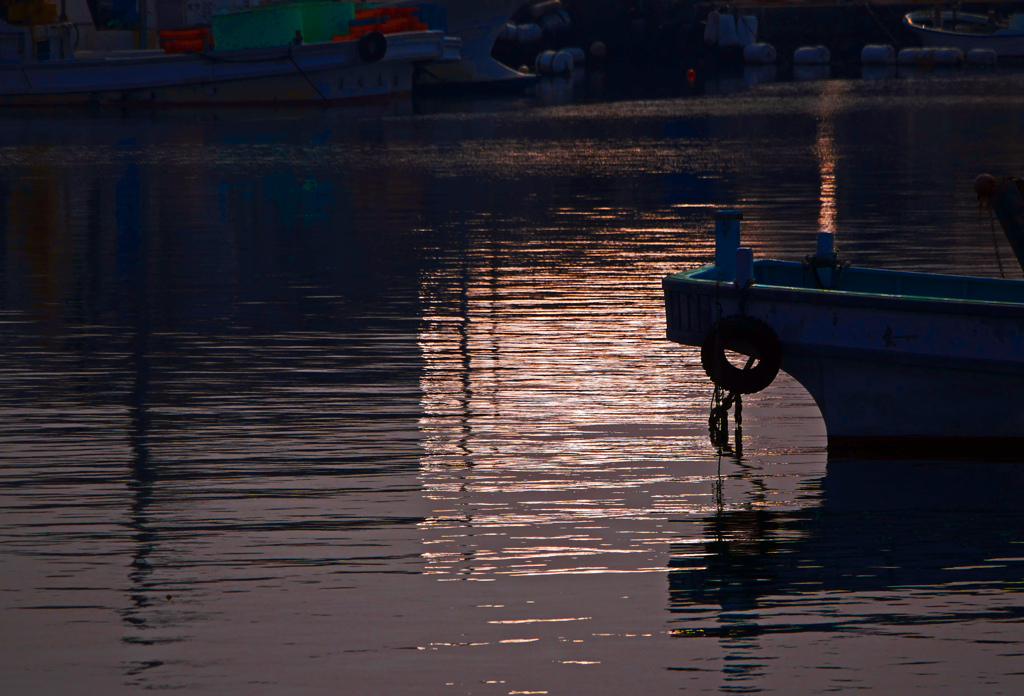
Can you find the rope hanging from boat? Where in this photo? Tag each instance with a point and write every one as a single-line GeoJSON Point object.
{"type": "Point", "coordinates": [881, 25]}
{"type": "Point", "coordinates": [718, 421]}
{"type": "Point", "coordinates": [743, 335]}
{"type": "Point", "coordinates": [988, 190]}
{"type": "Point", "coordinates": [722, 399]}
{"type": "Point", "coordinates": [995, 242]}
{"type": "Point", "coordinates": [302, 72]}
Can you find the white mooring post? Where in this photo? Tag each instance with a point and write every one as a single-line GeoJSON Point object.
{"type": "Point", "coordinates": [826, 246]}
{"type": "Point", "coordinates": [727, 241]}
{"type": "Point", "coordinates": [825, 259]}
{"type": "Point", "coordinates": [744, 266]}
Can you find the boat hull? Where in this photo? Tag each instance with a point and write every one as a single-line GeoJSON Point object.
{"type": "Point", "coordinates": [1007, 43]}
{"type": "Point", "coordinates": [477, 23]}
{"type": "Point", "coordinates": [325, 73]}
{"type": "Point", "coordinates": [884, 370]}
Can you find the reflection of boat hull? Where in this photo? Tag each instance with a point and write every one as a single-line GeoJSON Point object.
{"type": "Point", "coordinates": [891, 358]}
{"type": "Point", "coordinates": [1005, 42]}
{"type": "Point", "coordinates": [881, 526]}
{"type": "Point", "coordinates": [330, 72]}
{"type": "Point", "coordinates": [477, 23]}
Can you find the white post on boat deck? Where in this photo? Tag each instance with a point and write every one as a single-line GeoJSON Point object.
{"type": "Point", "coordinates": [825, 258]}
{"type": "Point", "coordinates": [744, 266]}
{"type": "Point", "coordinates": [826, 245]}
{"type": "Point", "coordinates": [727, 241]}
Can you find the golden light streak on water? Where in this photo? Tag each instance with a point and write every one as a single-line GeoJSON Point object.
{"type": "Point", "coordinates": [826, 152]}
{"type": "Point", "coordinates": [541, 449]}
{"type": "Point", "coordinates": [521, 431]}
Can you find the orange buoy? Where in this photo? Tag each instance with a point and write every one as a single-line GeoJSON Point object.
{"type": "Point", "coordinates": [691, 75]}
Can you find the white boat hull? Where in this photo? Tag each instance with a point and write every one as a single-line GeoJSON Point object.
{"type": "Point", "coordinates": [913, 360]}
{"type": "Point", "coordinates": [924, 374]}
{"type": "Point", "coordinates": [314, 73]}
{"type": "Point", "coordinates": [1007, 43]}
{"type": "Point", "coordinates": [477, 23]}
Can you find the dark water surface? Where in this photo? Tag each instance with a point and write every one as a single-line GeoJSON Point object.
{"type": "Point", "coordinates": [379, 403]}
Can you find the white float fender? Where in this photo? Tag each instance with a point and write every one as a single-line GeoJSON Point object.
{"type": "Point", "coordinates": [948, 56]}
{"type": "Point", "coordinates": [759, 54]}
{"type": "Point", "coordinates": [812, 55]}
{"type": "Point", "coordinates": [878, 54]}
{"type": "Point", "coordinates": [711, 28]}
{"type": "Point", "coordinates": [746, 30]}
{"type": "Point", "coordinates": [562, 63]}
{"type": "Point", "coordinates": [907, 56]}
{"type": "Point", "coordinates": [727, 31]}
{"type": "Point", "coordinates": [578, 56]}
{"type": "Point", "coordinates": [543, 64]}
{"type": "Point", "coordinates": [982, 56]}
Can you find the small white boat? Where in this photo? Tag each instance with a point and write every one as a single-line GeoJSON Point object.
{"type": "Point", "coordinates": [968, 31]}
{"type": "Point", "coordinates": [909, 364]}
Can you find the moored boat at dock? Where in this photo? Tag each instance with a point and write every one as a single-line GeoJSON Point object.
{"type": "Point", "coordinates": [477, 24]}
{"type": "Point", "coordinates": [967, 31]}
{"type": "Point", "coordinates": [911, 364]}
{"type": "Point", "coordinates": [288, 53]}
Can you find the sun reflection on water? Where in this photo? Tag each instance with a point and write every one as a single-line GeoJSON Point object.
{"type": "Point", "coordinates": [825, 150]}
{"type": "Point", "coordinates": [556, 418]}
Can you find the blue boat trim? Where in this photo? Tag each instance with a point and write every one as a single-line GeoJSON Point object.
{"type": "Point", "coordinates": [877, 288]}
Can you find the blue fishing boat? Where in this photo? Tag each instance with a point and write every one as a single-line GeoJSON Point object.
{"type": "Point", "coordinates": [280, 53]}
{"type": "Point", "coordinates": [322, 73]}
{"type": "Point", "coordinates": [911, 364]}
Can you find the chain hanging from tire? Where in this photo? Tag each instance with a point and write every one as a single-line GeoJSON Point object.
{"type": "Point", "coordinates": [759, 342]}
{"type": "Point", "coordinates": [718, 421]}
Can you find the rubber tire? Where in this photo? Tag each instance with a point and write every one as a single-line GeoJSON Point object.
{"type": "Point", "coordinates": [372, 46]}
{"type": "Point", "coordinates": [748, 336]}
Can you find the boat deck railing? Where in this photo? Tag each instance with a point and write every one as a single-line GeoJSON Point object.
{"type": "Point", "coordinates": [870, 281]}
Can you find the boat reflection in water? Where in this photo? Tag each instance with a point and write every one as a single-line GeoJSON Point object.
{"type": "Point", "coordinates": [893, 550]}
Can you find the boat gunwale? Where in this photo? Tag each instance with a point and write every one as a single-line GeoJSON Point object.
{"type": "Point", "coordinates": [880, 301]}
{"type": "Point", "coordinates": [241, 56]}
{"type": "Point", "coordinates": [106, 80]}
{"type": "Point", "coordinates": [888, 355]}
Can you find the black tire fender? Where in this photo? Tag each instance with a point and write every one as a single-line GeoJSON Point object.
{"type": "Point", "coordinates": [748, 336]}
{"type": "Point", "coordinates": [372, 46]}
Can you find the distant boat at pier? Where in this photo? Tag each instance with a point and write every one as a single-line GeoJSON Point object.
{"type": "Point", "coordinates": [477, 24]}
{"type": "Point", "coordinates": [285, 53]}
{"type": "Point", "coordinates": [968, 31]}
